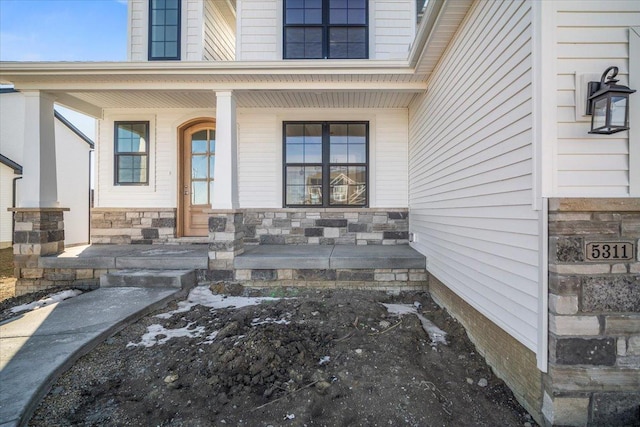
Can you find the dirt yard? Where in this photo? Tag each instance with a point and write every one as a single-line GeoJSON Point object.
{"type": "Point", "coordinates": [303, 358]}
{"type": "Point", "coordinates": [7, 281]}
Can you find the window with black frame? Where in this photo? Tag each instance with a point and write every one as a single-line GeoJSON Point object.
{"type": "Point", "coordinates": [326, 164]}
{"type": "Point", "coordinates": [164, 29]}
{"type": "Point", "coordinates": [333, 29]}
{"type": "Point", "coordinates": [131, 146]}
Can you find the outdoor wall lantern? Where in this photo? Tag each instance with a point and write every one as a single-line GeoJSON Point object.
{"type": "Point", "coordinates": [608, 104]}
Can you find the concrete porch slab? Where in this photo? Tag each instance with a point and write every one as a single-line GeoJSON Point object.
{"type": "Point", "coordinates": [284, 256]}
{"type": "Point", "coordinates": [329, 257]}
{"type": "Point", "coordinates": [161, 257]}
{"type": "Point", "coordinates": [180, 279]}
{"type": "Point", "coordinates": [376, 256]}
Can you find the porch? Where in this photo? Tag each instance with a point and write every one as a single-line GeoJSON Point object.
{"type": "Point", "coordinates": [361, 266]}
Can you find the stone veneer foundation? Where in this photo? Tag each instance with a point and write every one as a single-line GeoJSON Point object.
{"type": "Point", "coordinates": [37, 232]}
{"type": "Point", "coordinates": [511, 361]}
{"type": "Point", "coordinates": [132, 225]}
{"type": "Point", "coordinates": [594, 315]}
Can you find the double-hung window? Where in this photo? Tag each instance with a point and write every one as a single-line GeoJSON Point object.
{"type": "Point", "coordinates": [164, 29]}
{"type": "Point", "coordinates": [334, 29]}
{"type": "Point", "coordinates": [326, 164]}
{"type": "Point", "coordinates": [131, 162]}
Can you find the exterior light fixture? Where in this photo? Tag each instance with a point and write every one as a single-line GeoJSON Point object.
{"type": "Point", "coordinates": [608, 104]}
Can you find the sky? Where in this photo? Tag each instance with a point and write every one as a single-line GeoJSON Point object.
{"type": "Point", "coordinates": [64, 30]}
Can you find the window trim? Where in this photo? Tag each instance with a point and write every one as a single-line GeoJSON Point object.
{"type": "Point", "coordinates": [116, 154]}
{"type": "Point", "coordinates": [150, 56]}
{"type": "Point", "coordinates": [326, 164]}
{"type": "Point", "coordinates": [325, 26]}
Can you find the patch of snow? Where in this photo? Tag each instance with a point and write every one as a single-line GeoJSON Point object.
{"type": "Point", "coordinates": [48, 300]}
{"type": "Point", "coordinates": [202, 295]}
{"type": "Point", "coordinates": [257, 321]}
{"type": "Point", "coordinates": [210, 338]}
{"type": "Point", "coordinates": [324, 360]}
{"type": "Point", "coordinates": [436, 335]}
{"type": "Point", "coordinates": [154, 331]}
{"type": "Point", "coordinates": [290, 417]}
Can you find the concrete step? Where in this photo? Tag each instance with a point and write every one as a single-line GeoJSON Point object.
{"type": "Point", "coordinates": [180, 279]}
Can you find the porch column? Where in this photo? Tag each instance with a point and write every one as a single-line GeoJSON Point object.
{"type": "Point", "coordinates": [225, 191]}
{"type": "Point", "coordinates": [39, 187]}
{"type": "Point", "coordinates": [38, 219]}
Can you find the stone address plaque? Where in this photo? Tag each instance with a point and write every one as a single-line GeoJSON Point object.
{"type": "Point", "coordinates": [610, 251]}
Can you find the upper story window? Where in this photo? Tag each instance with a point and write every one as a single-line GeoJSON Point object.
{"type": "Point", "coordinates": [131, 163]}
{"type": "Point", "coordinates": [164, 29]}
{"type": "Point", "coordinates": [334, 29]}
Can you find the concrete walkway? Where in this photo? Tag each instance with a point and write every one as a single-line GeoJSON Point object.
{"type": "Point", "coordinates": [36, 347]}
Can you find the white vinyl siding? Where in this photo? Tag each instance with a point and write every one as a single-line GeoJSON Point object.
{"type": "Point", "coordinates": [191, 31]}
{"type": "Point", "coordinates": [6, 201]}
{"type": "Point", "coordinates": [591, 36]}
{"type": "Point", "coordinates": [219, 32]}
{"type": "Point", "coordinates": [259, 30]}
{"type": "Point", "coordinates": [393, 25]}
{"type": "Point", "coordinates": [72, 158]}
{"type": "Point", "coordinates": [138, 30]}
{"type": "Point", "coordinates": [161, 190]}
{"type": "Point", "coordinates": [470, 169]}
{"type": "Point", "coordinates": [260, 153]}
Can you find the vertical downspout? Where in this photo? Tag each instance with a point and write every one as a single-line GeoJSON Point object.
{"type": "Point", "coordinates": [13, 205]}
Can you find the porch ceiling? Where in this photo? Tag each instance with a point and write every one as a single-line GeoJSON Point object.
{"type": "Point", "coordinates": [244, 99]}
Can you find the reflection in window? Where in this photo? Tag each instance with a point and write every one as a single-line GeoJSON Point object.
{"type": "Point", "coordinates": [164, 29]}
{"type": "Point", "coordinates": [326, 164]}
{"type": "Point", "coordinates": [203, 155]}
{"type": "Point", "coordinates": [131, 160]}
{"type": "Point", "coordinates": [335, 29]}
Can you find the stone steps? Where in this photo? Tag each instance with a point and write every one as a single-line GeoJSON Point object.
{"type": "Point", "coordinates": [180, 279]}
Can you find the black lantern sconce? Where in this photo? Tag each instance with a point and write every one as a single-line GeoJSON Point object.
{"type": "Point", "coordinates": [608, 104]}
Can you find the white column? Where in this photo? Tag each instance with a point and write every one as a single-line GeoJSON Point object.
{"type": "Point", "coordinates": [225, 190]}
{"type": "Point", "coordinates": [39, 187]}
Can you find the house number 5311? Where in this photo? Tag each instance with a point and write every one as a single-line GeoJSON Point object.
{"type": "Point", "coordinates": [609, 251]}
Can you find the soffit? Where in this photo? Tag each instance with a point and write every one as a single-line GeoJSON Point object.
{"type": "Point", "coordinates": [244, 99]}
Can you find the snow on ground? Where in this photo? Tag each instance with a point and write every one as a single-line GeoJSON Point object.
{"type": "Point", "coordinates": [48, 300]}
{"type": "Point", "coordinates": [154, 331]}
{"type": "Point", "coordinates": [437, 335]}
{"type": "Point", "coordinates": [202, 295]}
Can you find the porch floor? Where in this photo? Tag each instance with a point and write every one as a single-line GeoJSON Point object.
{"type": "Point", "coordinates": [171, 257]}
{"type": "Point", "coordinates": [155, 257]}
{"type": "Point", "coordinates": [329, 257]}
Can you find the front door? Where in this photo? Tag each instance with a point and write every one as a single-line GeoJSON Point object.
{"type": "Point", "coordinates": [199, 151]}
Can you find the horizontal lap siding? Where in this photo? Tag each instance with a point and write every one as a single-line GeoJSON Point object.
{"type": "Point", "coordinates": [138, 17]}
{"type": "Point", "coordinates": [470, 169]}
{"type": "Point", "coordinates": [259, 160]}
{"type": "Point", "coordinates": [219, 31]}
{"type": "Point", "coordinates": [393, 26]}
{"type": "Point", "coordinates": [163, 149]}
{"type": "Point", "coordinates": [260, 153]}
{"type": "Point", "coordinates": [591, 36]}
{"type": "Point", "coordinates": [192, 35]}
{"type": "Point", "coordinates": [260, 33]}
{"type": "Point", "coordinates": [391, 164]}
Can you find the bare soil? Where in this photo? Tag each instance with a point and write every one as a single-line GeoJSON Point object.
{"type": "Point", "coordinates": [315, 358]}
{"type": "Point", "coordinates": [7, 280]}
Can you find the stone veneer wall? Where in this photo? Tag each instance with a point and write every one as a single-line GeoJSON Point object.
{"type": "Point", "coordinates": [382, 279]}
{"type": "Point", "coordinates": [132, 225]}
{"type": "Point", "coordinates": [314, 226]}
{"type": "Point", "coordinates": [594, 315]}
{"type": "Point", "coordinates": [37, 232]}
